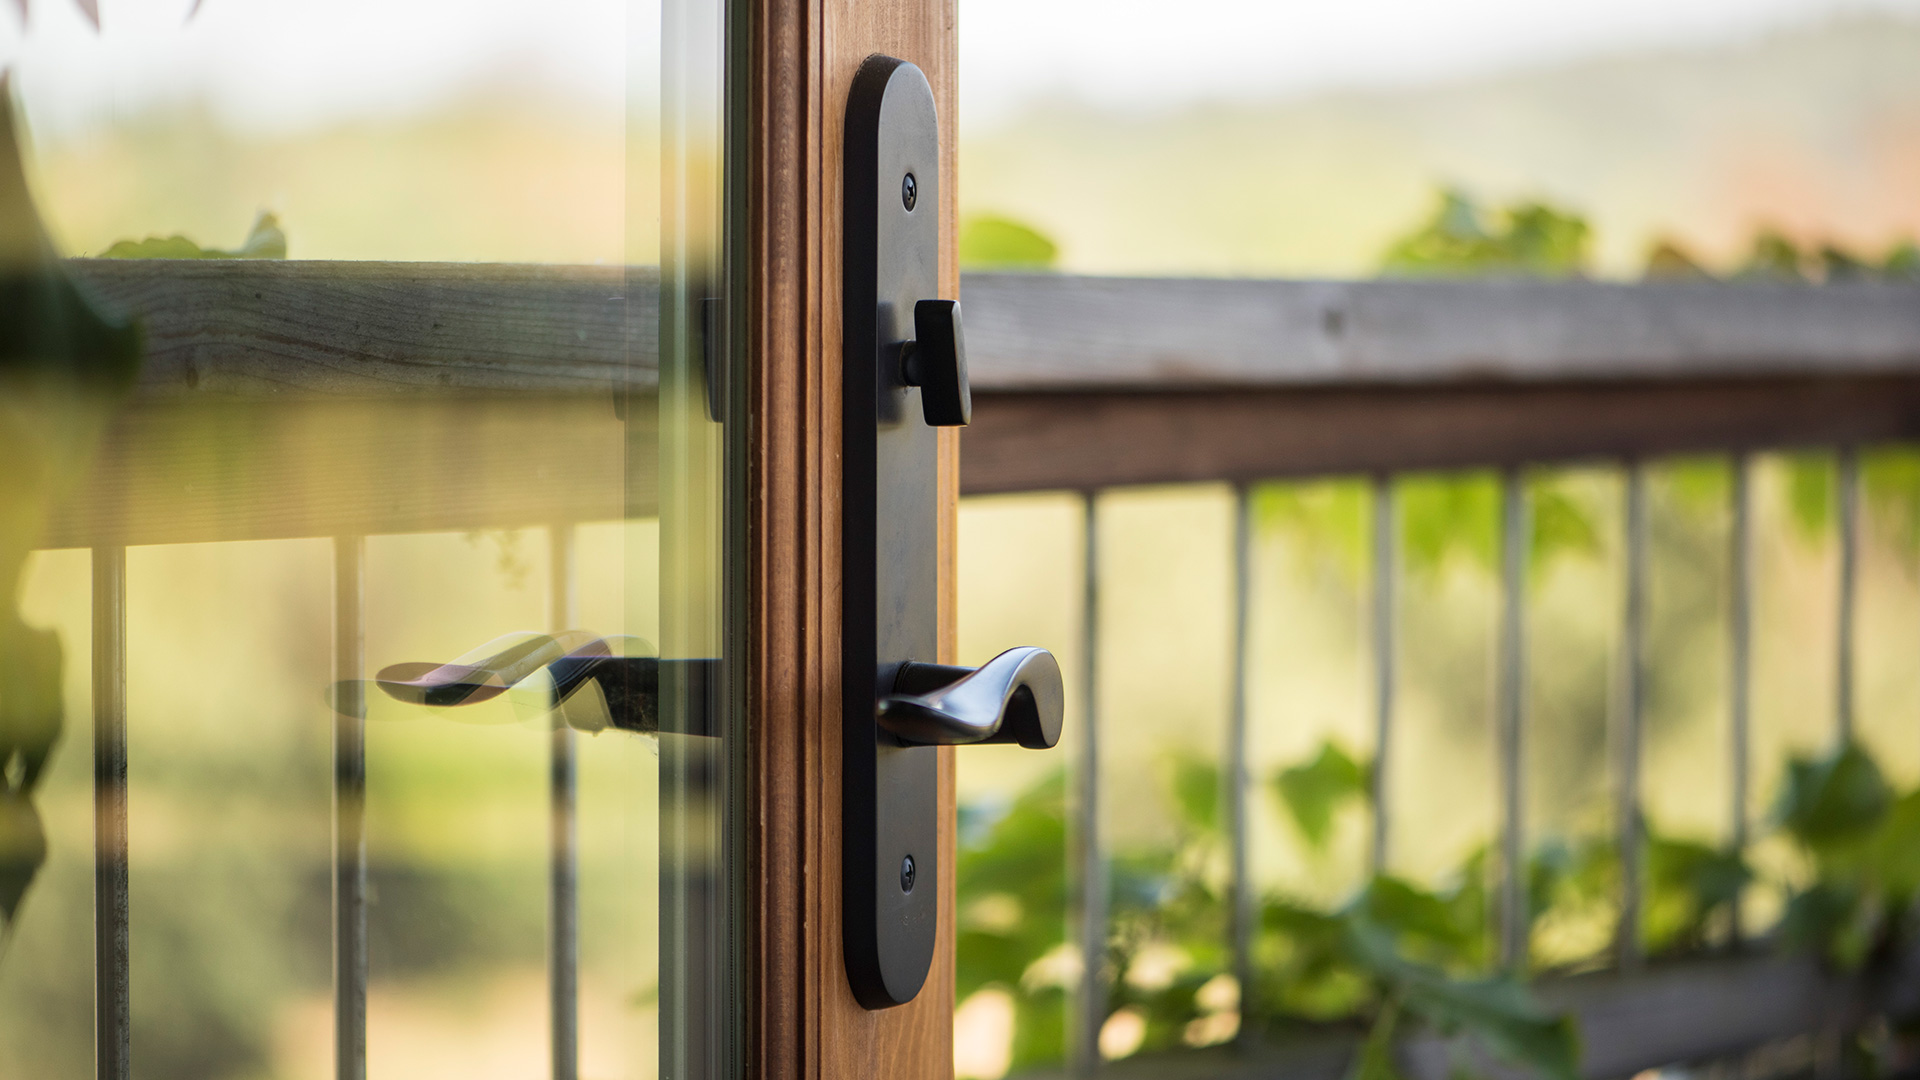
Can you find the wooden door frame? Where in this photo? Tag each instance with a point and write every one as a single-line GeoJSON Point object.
{"type": "Point", "coordinates": [800, 57]}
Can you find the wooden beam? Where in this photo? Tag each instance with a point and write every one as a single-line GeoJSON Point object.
{"type": "Point", "coordinates": [1038, 441]}
{"type": "Point", "coordinates": [1039, 332]}
{"type": "Point", "coordinates": [259, 328]}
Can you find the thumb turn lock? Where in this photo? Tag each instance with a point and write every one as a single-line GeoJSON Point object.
{"type": "Point", "coordinates": [936, 362]}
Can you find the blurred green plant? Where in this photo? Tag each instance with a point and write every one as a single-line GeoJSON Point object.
{"type": "Point", "coordinates": [1774, 256]}
{"type": "Point", "coordinates": [992, 242]}
{"type": "Point", "coordinates": [1012, 913]}
{"type": "Point", "coordinates": [266, 240]}
{"type": "Point", "coordinates": [1522, 239]}
{"type": "Point", "coordinates": [1397, 954]}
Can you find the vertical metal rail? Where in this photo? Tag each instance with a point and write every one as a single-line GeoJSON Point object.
{"type": "Point", "coordinates": [1739, 665]}
{"type": "Point", "coordinates": [1241, 916]}
{"type": "Point", "coordinates": [113, 1028]}
{"type": "Point", "coordinates": [1385, 566]}
{"type": "Point", "coordinates": [349, 809]}
{"type": "Point", "coordinates": [1089, 861]}
{"type": "Point", "coordinates": [1848, 468]}
{"type": "Point", "coordinates": [1515, 534]}
{"type": "Point", "coordinates": [1627, 820]}
{"type": "Point", "coordinates": [563, 883]}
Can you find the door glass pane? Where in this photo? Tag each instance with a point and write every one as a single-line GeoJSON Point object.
{"type": "Point", "coordinates": [363, 705]}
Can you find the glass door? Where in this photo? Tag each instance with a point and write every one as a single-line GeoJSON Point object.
{"type": "Point", "coordinates": [369, 533]}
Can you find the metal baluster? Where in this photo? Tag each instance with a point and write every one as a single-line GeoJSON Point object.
{"type": "Point", "coordinates": [563, 884]}
{"type": "Point", "coordinates": [1385, 531]}
{"type": "Point", "coordinates": [1515, 533]}
{"type": "Point", "coordinates": [1089, 860]}
{"type": "Point", "coordinates": [349, 809]}
{"type": "Point", "coordinates": [113, 1028]}
{"type": "Point", "coordinates": [1740, 631]}
{"type": "Point", "coordinates": [1627, 822]}
{"type": "Point", "coordinates": [1241, 915]}
{"type": "Point", "coordinates": [1848, 468]}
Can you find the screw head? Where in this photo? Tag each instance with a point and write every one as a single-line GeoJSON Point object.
{"type": "Point", "coordinates": [909, 191]}
{"type": "Point", "coordinates": [906, 874]}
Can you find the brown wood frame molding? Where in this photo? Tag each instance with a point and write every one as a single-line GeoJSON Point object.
{"type": "Point", "coordinates": [802, 55]}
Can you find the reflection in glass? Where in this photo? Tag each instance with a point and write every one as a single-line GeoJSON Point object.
{"type": "Point", "coordinates": [399, 583]}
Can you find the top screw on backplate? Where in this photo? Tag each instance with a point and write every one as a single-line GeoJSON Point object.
{"type": "Point", "coordinates": [909, 191]}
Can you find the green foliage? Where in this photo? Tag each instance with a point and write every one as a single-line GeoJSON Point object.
{"type": "Point", "coordinates": [1457, 516]}
{"type": "Point", "coordinates": [1314, 790]}
{"type": "Point", "coordinates": [990, 242]}
{"type": "Point", "coordinates": [1328, 521]}
{"type": "Point", "coordinates": [1526, 238]}
{"type": "Point", "coordinates": [1864, 843]}
{"type": "Point", "coordinates": [1686, 883]}
{"type": "Point", "coordinates": [1774, 258]}
{"type": "Point", "coordinates": [1833, 802]}
{"type": "Point", "coordinates": [1012, 911]}
{"type": "Point", "coordinates": [264, 241]}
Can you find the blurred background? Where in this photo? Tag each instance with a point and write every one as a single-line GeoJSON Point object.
{"type": "Point", "coordinates": [1690, 141]}
{"type": "Point", "coordinates": [1774, 140]}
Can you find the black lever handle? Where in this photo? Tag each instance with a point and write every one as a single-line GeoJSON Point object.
{"type": "Point", "coordinates": [1016, 697]}
{"type": "Point", "coordinates": [936, 362]}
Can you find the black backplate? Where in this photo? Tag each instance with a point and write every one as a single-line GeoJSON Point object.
{"type": "Point", "coordinates": [889, 531]}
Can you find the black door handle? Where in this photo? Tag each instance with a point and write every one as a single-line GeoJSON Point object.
{"type": "Point", "coordinates": [1016, 697]}
{"type": "Point", "coordinates": [896, 712]}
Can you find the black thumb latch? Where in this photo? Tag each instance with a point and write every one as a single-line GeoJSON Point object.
{"type": "Point", "coordinates": [936, 362]}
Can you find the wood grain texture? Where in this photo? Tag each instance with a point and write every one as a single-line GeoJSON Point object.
{"type": "Point", "coordinates": [803, 57]}
{"type": "Point", "coordinates": [1027, 331]}
{"type": "Point", "coordinates": [254, 328]}
{"type": "Point", "coordinates": [257, 328]}
{"type": "Point", "coordinates": [1037, 441]}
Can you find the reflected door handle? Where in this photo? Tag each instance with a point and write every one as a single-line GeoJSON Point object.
{"type": "Point", "coordinates": [1016, 697]}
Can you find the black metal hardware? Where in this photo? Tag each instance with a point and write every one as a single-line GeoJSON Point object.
{"type": "Point", "coordinates": [895, 709]}
{"type": "Point", "coordinates": [1016, 697]}
{"type": "Point", "coordinates": [936, 362]}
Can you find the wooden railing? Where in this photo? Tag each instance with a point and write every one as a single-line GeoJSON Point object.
{"type": "Point", "coordinates": [488, 393]}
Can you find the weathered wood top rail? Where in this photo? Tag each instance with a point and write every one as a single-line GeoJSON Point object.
{"type": "Point", "coordinates": [1043, 332]}
{"type": "Point", "coordinates": [264, 328]}
{"type": "Point", "coordinates": [413, 396]}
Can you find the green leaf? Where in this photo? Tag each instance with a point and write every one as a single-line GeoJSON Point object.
{"type": "Point", "coordinates": [1834, 800]}
{"type": "Point", "coordinates": [1375, 1060]}
{"type": "Point", "coordinates": [1446, 517]}
{"type": "Point", "coordinates": [1774, 258]}
{"type": "Point", "coordinates": [1443, 928]}
{"type": "Point", "coordinates": [1529, 238]}
{"type": "Point", "coordinates": [1314, 790]}
{"type": "Point", "coordinates": [990, 242]}
{"type": "Point", "coordinates": [1500, 1012]}
{"type": "Point", "coordinates": [1196, 792]}
{"type": "Point", "coordinates": [1561, 524]}
{"type": "Point", "coordinates": [265, 240]}
{"type": "Point", "coordinates": [1810, 492]}
{"type": "Point", "coordinates": [1686, 882]}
